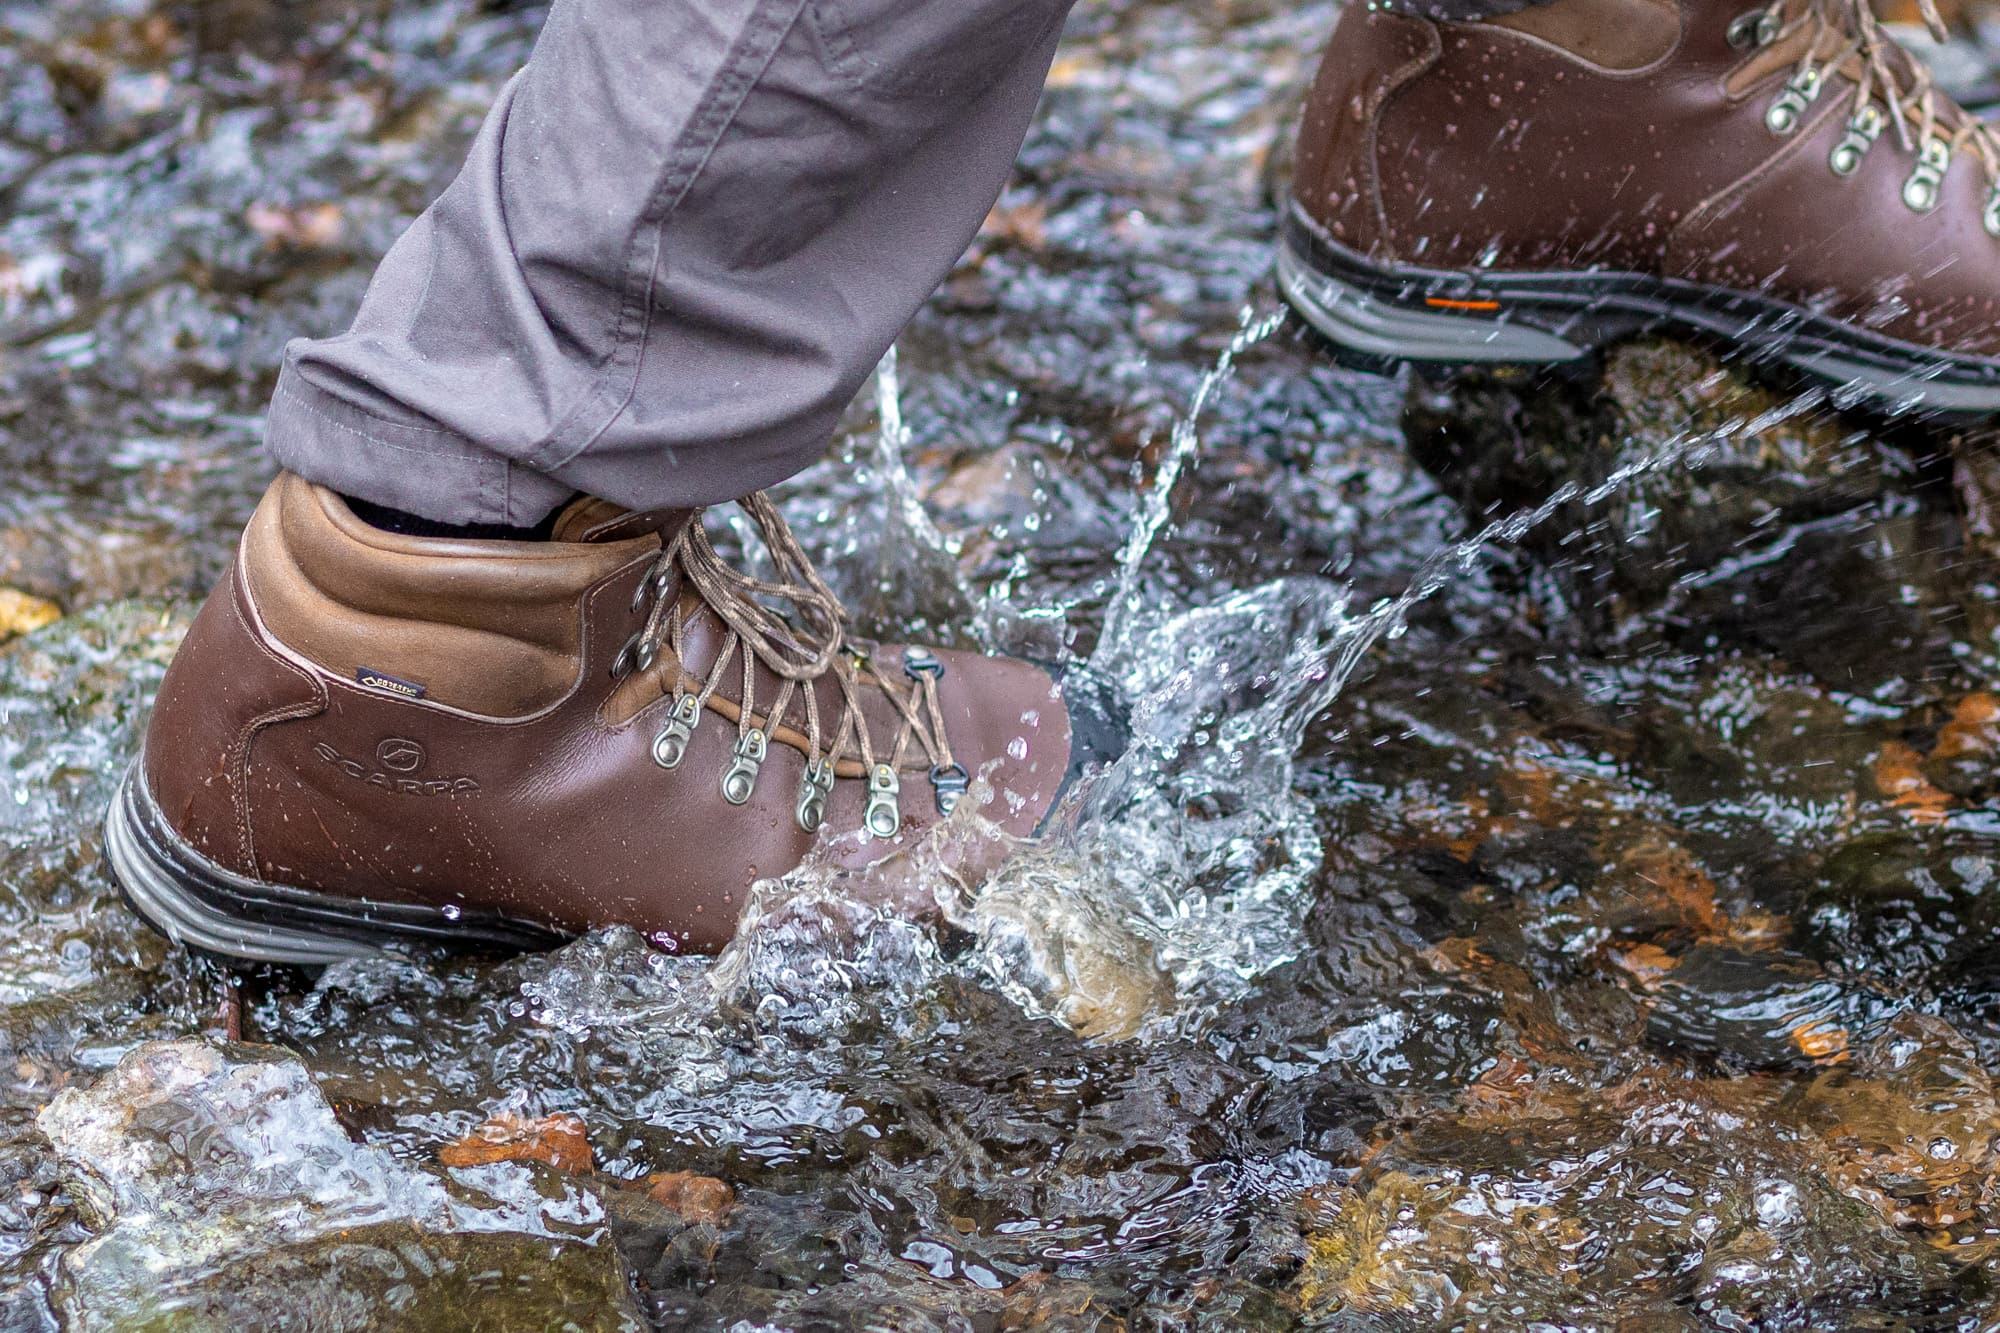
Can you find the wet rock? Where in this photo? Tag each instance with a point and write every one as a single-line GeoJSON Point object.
{"type": "Point", "coordinates": [1050, 946]}
{"type": "Point", "coordinates": [1713, 502]}
{"type": "Point", "coordinates": [1912, 1128]}
{"type": "Point", "coordinates": [1758, 1010]}
{"type": "Point", "coordinates": [222, 1191]}
{"type": "Point", "coordinates": [1718, 1192]}
{"type": "Point", "coordinates": [1909, 903]}
{"type": "Point", "coordinates": [385, 1275]}
{"type": "Point", "coordinates": [1976, 474]}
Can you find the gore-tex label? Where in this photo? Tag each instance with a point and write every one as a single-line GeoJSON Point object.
{"type": "Point", "coordinates": [376, 680]}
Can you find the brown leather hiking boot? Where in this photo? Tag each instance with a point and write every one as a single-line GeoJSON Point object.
{"type": "Point", "coordinates": [1529, 188]}
{"type": "Point", "coordinates": [368, 736]}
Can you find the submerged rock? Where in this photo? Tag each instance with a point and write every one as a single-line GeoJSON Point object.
{"type": "Point", "coordinates": [222, 1192]}
{"type": "Point", "coordinates": [1715, 506]}
{"type": "Point", "coordinates": [1752, 1202]}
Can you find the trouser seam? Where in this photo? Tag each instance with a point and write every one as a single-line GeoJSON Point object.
{"type": "Point", "coordinates": [748, 61]}
{"type": "Point", "coordinates": [491, 473]}
{"type": "Point", "coordinates": [288, 393]}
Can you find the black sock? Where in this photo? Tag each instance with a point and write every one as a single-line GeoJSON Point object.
{"type": "Point", "coordinates": [416, 525]}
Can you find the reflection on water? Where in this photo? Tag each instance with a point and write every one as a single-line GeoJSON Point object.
{"type": "Point", "coordinates": [1555, 880]}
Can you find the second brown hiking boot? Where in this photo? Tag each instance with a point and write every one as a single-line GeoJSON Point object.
{"type": "Point", "coordinates": [368, 736]}
{"type": "Point", "coordinates": [1529, 188]}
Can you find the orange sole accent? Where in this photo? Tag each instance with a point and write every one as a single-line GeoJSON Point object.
{"type": "Point", "coordinates": [1446, 303]}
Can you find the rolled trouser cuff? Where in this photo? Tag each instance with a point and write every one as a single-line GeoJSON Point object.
{"type": "Point", "coordinates": [419, 469]}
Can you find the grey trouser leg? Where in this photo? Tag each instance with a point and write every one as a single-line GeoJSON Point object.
{"type": "Point", "coordinates": [686, 234]}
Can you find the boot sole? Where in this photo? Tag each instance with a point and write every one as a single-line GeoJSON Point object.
{"type": "Point", "coordinates": [1378, 316]}
{"type": "Point", "coordinates": [195, 902]}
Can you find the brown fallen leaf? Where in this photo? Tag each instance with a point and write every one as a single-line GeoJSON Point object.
{"type": "Point", "coordinates": [1646, 963]}
{"type": "Point", "coordinates": [1042, 1300]}
{"type": "Point", "coordinates": [1821, 1041]}
{"type": "Point", "coordinates": [305, 227]}
{"type": "Point", "coordinates": [1070, 71]}
{"type": "Point", "coordinates": [559, 1140]}
{"type": "Point", "coordinates": [1899, 777]}
{"type": "Point", "coordinates": [691, 1197]}
{"type": "Point", "coordinates": [1024, 224]}
{"type": "Point", "coordinates": [1974, 729]}
{"type": "Point", "coordinates": [1685, 887]}
{"type": "Point", "coordinates": [21, 613]}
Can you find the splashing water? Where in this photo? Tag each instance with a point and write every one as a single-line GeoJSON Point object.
{"type": "Point", "coordinates": [898, 573]}
{"type": "Point", "coordinates": [892, 441]}
{"type": "Point", "coordinates": [1183, 444]}
{"type": "Point", "coordinates": [1192, 857]}
{"type": "Point", "coordinates": [1178, 876]}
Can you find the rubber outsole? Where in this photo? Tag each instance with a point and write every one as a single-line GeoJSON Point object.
{"type": "Point", "coordinates": [197, 903]}
{"type": "Point", "coordinates": [1381, 316]}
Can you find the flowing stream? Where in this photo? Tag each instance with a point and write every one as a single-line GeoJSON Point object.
{"type": "Point", "coordinates": [1553, 884]}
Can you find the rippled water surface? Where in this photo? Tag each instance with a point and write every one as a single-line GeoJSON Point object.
{"type": "Point", "coordinates": [1556, 884]}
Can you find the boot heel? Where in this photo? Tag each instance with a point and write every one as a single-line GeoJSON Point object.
{"type": "Point", "coordinates": [158, 878]}
{"type": "Point", "coordinates": [1369, 331]}
{"type": "Point", "coordinates": [211, 910]}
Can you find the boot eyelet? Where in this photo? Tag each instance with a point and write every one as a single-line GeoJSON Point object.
{"type": "Point", "coordinates": [739, 780]}
{"type": "Point", "coordinates": [921, 662]}
{"type": "Point", "coordinates": [1923, 189]}
{"type": "Point", "coordinates": [950, 782]}
{"type": "Point", "coordinates": [883, 817]}
{"type": "Point", "coordinates": [651, 588]}
{"type": "Point", "coordinates": [1863, 129]}
{"type": "Point", "coordinates": [814, 789]}
{"type": "Point", "coordinates": [672, 743]}
{"type": "Point", "coordinates": [1990, 215]}
{"type": "Point", "coordinates": [1749, 31]}
{"type": "Point", "coordinates": [1791, 103]}
{"type": "Point", "coordinates": [628, 658]}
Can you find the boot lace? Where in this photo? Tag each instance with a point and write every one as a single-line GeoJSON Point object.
{"type": "Point", "coordinates": [801, 650]}
{"type": "Point", "coordinates": [1846, 35]}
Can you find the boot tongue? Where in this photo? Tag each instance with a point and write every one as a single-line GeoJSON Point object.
{"type": "Point", "coordinates": [587, 519]}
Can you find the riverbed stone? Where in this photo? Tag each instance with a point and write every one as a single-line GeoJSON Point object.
{"type": "Point", "coordinates": [222, 1192]}
{"type": "Point", "coordinates": [1714, 504]}
{"type": "Point", "coordinates": [1723, 1195]}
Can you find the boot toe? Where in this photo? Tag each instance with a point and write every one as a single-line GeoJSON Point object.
{"type": "Point", "coordinates": [1100, 725]}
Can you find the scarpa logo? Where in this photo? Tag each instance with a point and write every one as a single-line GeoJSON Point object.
{"type": "Point", "coordinates": [399, 757]}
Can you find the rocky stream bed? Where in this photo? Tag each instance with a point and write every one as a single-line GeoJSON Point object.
{"type": "Point", "coordinates": [1589, 927]}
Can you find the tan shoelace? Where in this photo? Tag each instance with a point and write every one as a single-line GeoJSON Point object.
{"type": "Point", "coordinates": [1926, 122]}
{"type": "Point", "coordinates": [800, 651]}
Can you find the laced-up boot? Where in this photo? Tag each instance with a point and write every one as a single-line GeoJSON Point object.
{"type": "Point", "coordinates": [1782, 177]}
{"type": "Point", "coordinates": [368, 737]}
